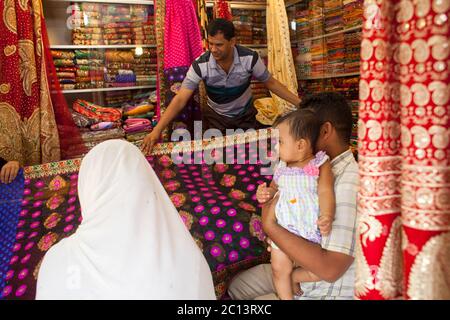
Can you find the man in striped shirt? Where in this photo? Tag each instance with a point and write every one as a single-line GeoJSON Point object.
{"type": "Point", "coordinates": [333, 260]}
{"type": "Point", "coordinates": [227, 70]}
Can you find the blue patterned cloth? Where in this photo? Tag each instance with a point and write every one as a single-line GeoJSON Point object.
{"type": "Point", "coordinates": [297, 209]}
{"type": "Point", "coordinates": [10, 203]}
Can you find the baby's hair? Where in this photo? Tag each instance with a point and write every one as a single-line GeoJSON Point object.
{"type": "Point", "coordinates": [303, 124]}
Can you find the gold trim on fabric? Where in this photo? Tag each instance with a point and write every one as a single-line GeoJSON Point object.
{"type": "Point", "coordinates": [9, 16]}
{"type": "Point", "coordinates": [23, 4]}
{"type": "Point", "coordinates": [28, 73]}
{"type": "Point", "coordinates": [429, 278]}
{"type": "Point", "coordinates": [364, 281]}
{"type": "Point", "coordinates": [50, 144]}
{"type": "Point", "coordinates": [390, 273]}
{"type": "Point", "coordinates": [68, 166]}
{"type": "Point", "coordinates": [10, 50]}
{"type": "Point", "coordinates": [5, 88]}
{"type": "Point", "coordinates": [10, 133]}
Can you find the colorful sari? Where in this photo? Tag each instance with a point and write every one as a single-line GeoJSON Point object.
{"type": "Point", "coordinates": [217, 203]}
{"type": "Point", "coordinates": [35, 123]}
{"type": "Point", "coordinates": [182, 46]}
{"type": "Point", "coordinates": [404, 151]}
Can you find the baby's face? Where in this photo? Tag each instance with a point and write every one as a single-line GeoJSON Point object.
{"type": "Point", "coordinates": [289, 149]}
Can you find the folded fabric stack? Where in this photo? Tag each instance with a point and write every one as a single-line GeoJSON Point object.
{"type": "Point", "coordinates": [316, 17]}
{"type": "Point", "coordinates": [119, 68]}
{"type": "Point", "coordinates": [65, 68]}
{"type": "Point", "coordinates": [250, 26]}
{"type": "Point", "coordinates": [90, 65]}
{"type": "Point", "coordinates": [348, 87]}
{"type": "Point", "coordinates": [303, 61]}
{"type": "Point", "coordinates": [259, 90]}
{"type": "Point", "coordinates": [333, 15]}
{"type": "Point", "coordinates": [97, 123]}
{"type": "Point", "coordinates": [115, 99]}
{"type": "Point", "coordinates": [145, 67]}
{"type": "Point", "coordinates": [352, 51]}
{"type": "Point", "coordinates": [117, 26]}
{"type": "Point", "coordinates": [243, 22]}
{"type": "Point", "coordinates": [318, 52]}
{"type": "Point", "coordinates": [302, 19]}
{"type": "Point", "coordinates": [86, 23]}
{"type": "Point", "coordinates": [96, 112]}
{"type": "Point", "coordinates": [139, 116]}
{"type": "Point", "coordinates": [353, 13]}
{"type": "Point", "coordinates": [143, 24]}
{"type": "Point", "coordinates": [335, 54]}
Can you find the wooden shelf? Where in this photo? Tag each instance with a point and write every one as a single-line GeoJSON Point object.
{"type": "Point", "coordinates": [124, 46]}
{"type": "Point", "coordinates": [108, 89]}
{"type": "Point", "coordinates": [328, 76]}
{"type": "Point", "coordinates": [330, 34]}
{"type": "Point", "coordinates": [253, 45]}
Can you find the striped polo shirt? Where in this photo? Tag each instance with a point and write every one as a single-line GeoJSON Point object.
{"type": "Point", "coordinates": [228, 94]}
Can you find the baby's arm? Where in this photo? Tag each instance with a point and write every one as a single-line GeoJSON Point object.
{"type": "Point", "coordinates": [300, 275]}
{"type": "Point", "coordinates": [327, 202]}
{"type": "Point", "coordinates": [264, 193]}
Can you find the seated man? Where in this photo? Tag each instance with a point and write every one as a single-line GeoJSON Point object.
{"type": "Point", "coordinates": [333, 261]}
{"type": "Point", "coordinates": [8, 170]}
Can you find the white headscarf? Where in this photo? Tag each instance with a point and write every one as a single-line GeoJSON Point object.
{"type": "Point", "coordinates": [131, 244]}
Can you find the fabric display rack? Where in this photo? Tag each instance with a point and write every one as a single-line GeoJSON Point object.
{"type": "Point", "coordinates": [327, 36]}
{"type": "Point", "coordinates": [106, 63]}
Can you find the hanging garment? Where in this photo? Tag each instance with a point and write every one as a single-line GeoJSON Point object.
{"type": "Point", "coordinates": [281, 62]}
{"type": "Point", "coordinates": [181, 47]}
{"type": "Point", "coordinates": [403, 247]}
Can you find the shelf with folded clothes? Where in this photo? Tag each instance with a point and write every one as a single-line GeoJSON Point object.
{"type": "Point", "coordinates": [125, 116]}
{"type": "Point", "coordinates": [250, 27]}
{"type": "Point", "coordinates": [105, 70]}
{"type": "Point", "coordinates": [98, 25]}
{"type": "Point", "coordinates": [359, 27]}
{"type": "Point", "coordinates": [252, 5]}
{"type": "Point", "coordinates": [317, 19]}
{"type": "Point", "coordinates": [108, 89]}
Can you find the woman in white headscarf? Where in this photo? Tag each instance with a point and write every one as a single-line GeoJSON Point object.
{"type": "Point", "coordinates": [131, 244]}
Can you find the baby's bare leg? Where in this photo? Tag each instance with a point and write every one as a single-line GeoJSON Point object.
{"type": "Point", "coordinates": [282, 271]}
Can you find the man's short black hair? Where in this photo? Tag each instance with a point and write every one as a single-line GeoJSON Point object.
{"type": "Point", "coordinates": [303, 124]}
{"type": "Point", "coordinates": [331, 107]}
{"type": "Point", "coordinates": [221, 26]}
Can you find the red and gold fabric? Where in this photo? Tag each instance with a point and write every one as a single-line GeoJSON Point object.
{"type": "Point", "coordinates": [404, 151]}
{"type": "Point", "coordinates": [32, 131]}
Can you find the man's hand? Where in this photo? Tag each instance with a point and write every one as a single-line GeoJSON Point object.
{"type": "Point", "coordinates": [268, 214]}
{"type": "Point", "coordinates": [9, 171]}
{"type": "Point", "coordinates": [149, 141]}
{"type": "Point", "coordinates": [324, 223]}
{"type": "Point", "coordinates": [264, 193]}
